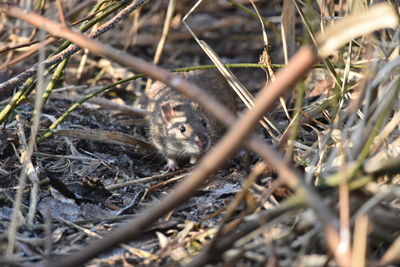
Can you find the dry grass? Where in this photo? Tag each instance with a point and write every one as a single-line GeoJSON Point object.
{"type": "Point", "coordinates": [319, 187]}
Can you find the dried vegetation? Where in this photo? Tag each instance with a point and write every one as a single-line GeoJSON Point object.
{"type": "Point", "coordinates": [318, 184]}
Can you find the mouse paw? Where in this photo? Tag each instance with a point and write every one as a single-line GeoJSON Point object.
{"type": "Point", "coordinates": [172, 165]}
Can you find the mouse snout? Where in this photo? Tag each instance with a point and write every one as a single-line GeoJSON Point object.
{"type": "Point", "coordinates": [202, 142]}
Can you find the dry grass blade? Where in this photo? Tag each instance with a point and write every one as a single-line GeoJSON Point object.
{"type": "Point", "coordinates": [360, 241]}
{"type": "Point", "coordinates": [167, 24]}
{"type": "Point", "coordinates": [30, 170]}
{"type": "Point", "coordinates": [392, 255]}
{"type": "Point", "coordinates": [377, 17]}
{"type": "Point", "coordinates": [27, 166]}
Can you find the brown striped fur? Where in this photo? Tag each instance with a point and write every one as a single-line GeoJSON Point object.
{"type": "Point", "coordinates": [179, 127]}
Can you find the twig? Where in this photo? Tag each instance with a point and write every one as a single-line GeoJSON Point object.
{"type": "Point", "coordinates": [28, 53]}
{"type": "Point", "coordinates": [61, 13]}
{"type": "Point", "coordinates": [360, 240]}
{"type": "Point", "coordinates": [146, 179]}
{"type": "Point", "coordinates": [27, 166]}
{"type": "Point", "coordinates": [30, 170]}
{"type": "Point", "coordinates": [21, 185]}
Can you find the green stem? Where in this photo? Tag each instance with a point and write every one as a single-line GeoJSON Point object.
{"type": "Point", "coordinates": [54, 125]}
{"type": "Point", "coordinates": [56, 76]}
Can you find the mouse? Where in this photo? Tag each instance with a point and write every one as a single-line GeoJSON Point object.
{"type": "Point", "coordinates": [179, 127]}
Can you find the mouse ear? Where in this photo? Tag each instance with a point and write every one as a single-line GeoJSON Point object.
{"type": "Point", "coordinates": [167, 111]}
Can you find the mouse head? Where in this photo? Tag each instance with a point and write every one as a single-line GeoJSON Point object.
{"type": "Point", "coordinates": [188, 128]}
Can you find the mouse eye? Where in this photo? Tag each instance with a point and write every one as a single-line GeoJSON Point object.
{"type": "Point", "coordinates": [182, 129]}
{"type": "Point", "coordinates": [204, 123]}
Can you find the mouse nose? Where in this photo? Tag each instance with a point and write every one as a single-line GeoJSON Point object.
{"type": "Point", "coordinates": [202, 143]}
